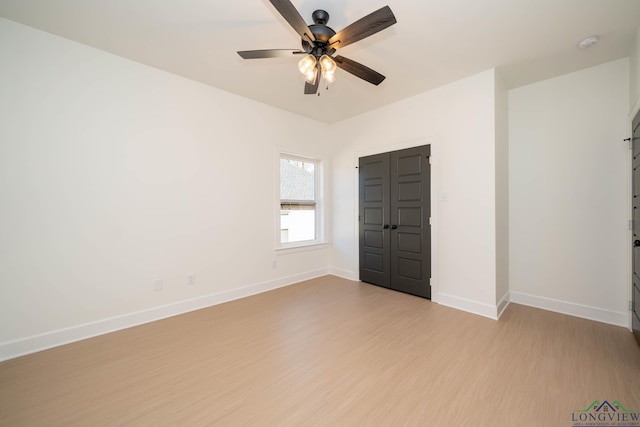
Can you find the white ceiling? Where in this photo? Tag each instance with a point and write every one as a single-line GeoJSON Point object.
{"type": "Point", "coordinates": [433, 43]}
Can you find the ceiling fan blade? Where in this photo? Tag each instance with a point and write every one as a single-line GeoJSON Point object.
{"type": "Point", "coordinates": [312, 88]}
{"type": "Point", "coordinates": [359, 70]}
{"type": "Point", "coordinates": [292, 16]}
{"type": "Point", "coordinates": [269, 53]}
{"type": "Point", "coordinates": [364, 27]}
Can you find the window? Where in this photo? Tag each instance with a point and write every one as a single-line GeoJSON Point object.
{"type": "Point", "coordinates": [299, 206]}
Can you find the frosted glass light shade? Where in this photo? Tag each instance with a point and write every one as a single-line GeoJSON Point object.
{"type": "Point", "coordinates": [307, 67]}
{"type": "Point", "coordinates": [328, 64]}
{"type": "Point", "coordinates": [329, 77]}
{"type": "Point", "coordinates": [311, 75]}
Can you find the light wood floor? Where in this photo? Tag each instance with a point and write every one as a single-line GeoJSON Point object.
{"type": "Point", "coordinates": [328, 352]}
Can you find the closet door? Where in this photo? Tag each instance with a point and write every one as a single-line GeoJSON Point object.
{"type": "Point", "coordinates": [635, 202]}
{"type": "Point", "coordinates": [394, 232]}
{"type": "Point", "coordinates": [410, 229]}
{"type": "Point", "coordinates": [374, 219]}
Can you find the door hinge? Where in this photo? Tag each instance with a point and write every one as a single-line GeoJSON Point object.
{"type": "Point", "coordinates": [630, 141]}
{"type": "Point", "coordinates": [358, 218]}
{"type": "Point", "coordinates": [429, 220]}
{"type": "Point", "coordinates": [630, 305]}
{"type": "Point", "coordinates": [631, 224]}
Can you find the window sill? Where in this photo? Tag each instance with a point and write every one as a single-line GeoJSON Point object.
{"type": "Point", "coordinates": [301, 247]}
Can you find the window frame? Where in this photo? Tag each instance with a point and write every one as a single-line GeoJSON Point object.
{"type": "Point", "coordinates": [318, 201]}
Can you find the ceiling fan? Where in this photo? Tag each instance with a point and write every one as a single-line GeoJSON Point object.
{"type": "Point", "coordinates": [319, 43]}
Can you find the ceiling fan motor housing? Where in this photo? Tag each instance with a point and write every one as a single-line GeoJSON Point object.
{"type": "Point", "coordinates": [322, 33]}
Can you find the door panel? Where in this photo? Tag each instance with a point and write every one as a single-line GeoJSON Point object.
{"type": "Point", "coordinates": [636, 310]}
{"type": "Point", "coordinates": [409, 242]}
{"type": "Point", "coordinates": [409, 191]}
{"type": "Point", "coordinates": [636, 176]}
{"type": "Point", "coordinates": [410, 229]}
{"type": "Point", "coordinates": [373, 193]}
{"type": "Point", "coordinates": [374, 263]}
{"type": "Point", "coordinates": [373, 239]}
{"type": "Point", "coordinates": [636, 263]}
{"type": "Point", "coordinates": [409, 217]}
{"type": "Point", "coordinates": [373, 216]}
{"type": "Point", "coordinates": [373, 199]}
{"type": "Point", "coordinates": [409, 164]}
{"type": "Point", "coordinates": [409, 268]}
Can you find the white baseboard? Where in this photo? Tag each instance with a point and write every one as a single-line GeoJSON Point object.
{"type": "Point", "coordinates": [503, 304]}
{"type": "Point", "coordinates": [35, 343]}
{"type": "Point", "coordinates": [572, 309]}
{"type": "Point", "coordinates": [471, 306]}
{"type": "Point", "coordinates": [345, 274]}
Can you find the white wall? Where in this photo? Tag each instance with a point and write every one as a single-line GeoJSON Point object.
{"type": "Point", "coordinates": [502, 194]}
{"type": "Point", "coordinates": [635, 74]}
{"type": "Point", "coordinates": [458, 120]}
{"type": "Point", "coordinates": [568, 203]}
{"type": "Point", "coordinates": [114, 174]}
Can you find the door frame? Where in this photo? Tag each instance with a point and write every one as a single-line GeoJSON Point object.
{"type": "Point", "coordinates": [432, 141]}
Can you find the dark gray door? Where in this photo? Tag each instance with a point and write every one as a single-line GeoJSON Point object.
{"type": "Point", "coordinates": [374, 220]}
{"type": "Point", "coordinates": [635, 302]}
{"type": "Point", "coordinates": [395, 234]}
{"type": "Point", "coordinates": [410, 228]}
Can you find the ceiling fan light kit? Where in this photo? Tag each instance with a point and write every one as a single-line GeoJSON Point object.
{"type": "Point", "coordinates": [320, 42]}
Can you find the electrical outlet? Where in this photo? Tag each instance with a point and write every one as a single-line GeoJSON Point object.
{"type": "Point", "coordinates": [157, 285]}
{"type": "Point", "coordinates": [191, 279]}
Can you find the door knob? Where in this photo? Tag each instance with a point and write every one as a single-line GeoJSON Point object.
{"type": "Point", "coordinates": [635, 242]}
{"type": "Point", "coordinates": [393, 227]}
{"type": "Point", "coordinates": [385, 226]}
